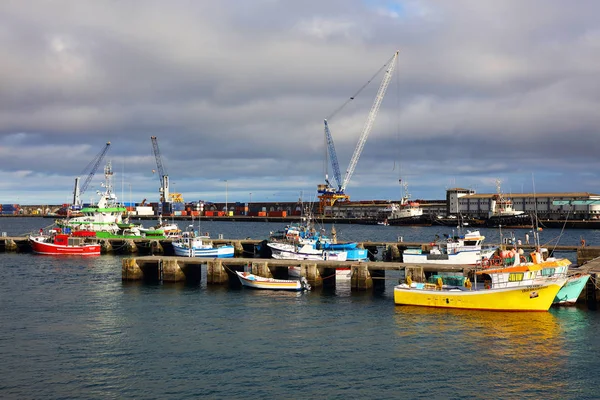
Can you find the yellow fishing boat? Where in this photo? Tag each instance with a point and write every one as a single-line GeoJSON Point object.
{"type": "Point", "coordinates": [536, 297]}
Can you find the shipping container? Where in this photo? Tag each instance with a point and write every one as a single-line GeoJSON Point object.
{"type": "Point", "coordinates": [277, 213]}
{"type": "Point", "coordinates": [230, 213]}
{"type": "Point", "coordinates": [178, 206]}
{"type": "Point", "coordinates": [195, 213]}
{"type": "Point", "coordinates": [261, 214]}
{"type": "Point", "coordinates": [208, 213]}
{"type": "Point", "coordinates": [221, 213]}
{"type": "Point", "coordinates": [144, 211]}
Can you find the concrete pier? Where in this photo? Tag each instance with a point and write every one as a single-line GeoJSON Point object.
{"type": "Point", "coordinates": [219, 271]}
{"type": "Point", "coordinates": [245, 247]}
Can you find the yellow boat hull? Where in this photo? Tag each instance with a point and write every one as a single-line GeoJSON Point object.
{"type": "Point", "coordinates": [532, 298]}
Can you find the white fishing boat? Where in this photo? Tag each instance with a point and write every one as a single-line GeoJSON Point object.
{"type": "Point", "coordinates": [288, 251]}
{"type": "Point", "coordinates": [464, 249]}
{"type": "Point", "coordinates": [407, 212]}
{"type": "Point", "coordinates": [259, 282]}
{"type": "Point", "coordinates": [199, 246]}
{"type": "Point", "coordinates": [105, 216]}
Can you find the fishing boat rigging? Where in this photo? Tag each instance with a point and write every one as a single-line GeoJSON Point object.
{"type": "Point", "coordinates": [328, 193]}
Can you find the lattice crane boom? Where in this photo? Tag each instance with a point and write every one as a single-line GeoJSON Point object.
{"type": "Point", "coordinates": [334, 161]}
{"type": "Point", "coordinates": [370, 120]}
{"type": "Point", "coordinates": [92, 167]}
{"type": "Point", "coordinates": [162, 174]}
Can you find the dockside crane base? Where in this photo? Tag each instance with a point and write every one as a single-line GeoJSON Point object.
{"type": "Point", "coordinates": [90, 169]}
{"type": "Point", "coordinates": [329, 195]}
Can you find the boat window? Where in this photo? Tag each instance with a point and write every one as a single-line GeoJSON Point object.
{"type": "Point", "coordinates": [547, 271]}
{"type": "Point", "coordinates": [515, 277]}
{"type": "Point", "coordinates": [470, 242]}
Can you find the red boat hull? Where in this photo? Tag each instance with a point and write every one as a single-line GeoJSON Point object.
{"type": "Point", "coordinates": [55, 249]}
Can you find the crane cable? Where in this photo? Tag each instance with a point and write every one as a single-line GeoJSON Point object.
{"type": "Point", "coordinates": [361, 88]}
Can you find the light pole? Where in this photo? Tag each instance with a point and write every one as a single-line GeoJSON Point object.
{"type": "Point", "coordinates": [250, 199]}
{"type": "Point", "coordinates": [226, 209]}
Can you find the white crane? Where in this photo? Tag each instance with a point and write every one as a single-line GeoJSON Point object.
{"type": "Point", "coordinates": [328, 194]}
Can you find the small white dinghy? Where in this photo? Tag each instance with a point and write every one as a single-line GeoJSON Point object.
{"type": "Point", "coordinates": [259, 282]}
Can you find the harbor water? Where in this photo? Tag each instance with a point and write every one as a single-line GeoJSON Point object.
{"type": "Point", "coordinates": [71, 329]}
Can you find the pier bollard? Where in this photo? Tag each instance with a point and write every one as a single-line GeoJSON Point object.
{"type": "Point", "coordinates": [171, 270]}
{"type": "Point", "coordinates": [238, 249]}
{"type": "Point", "coordinates": [131, 246]}
{"type": "Point", "coordinates": [130, 270]}
{"type": "Point", "coordinates": [361, 277]}
{"type": "Point", "coordinates": [106, 246]}
{"type": "Point", "coordinates": [215, 273]}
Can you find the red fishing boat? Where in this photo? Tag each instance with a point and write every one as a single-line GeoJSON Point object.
{"type": "Point", "coordinates": [81, 243]}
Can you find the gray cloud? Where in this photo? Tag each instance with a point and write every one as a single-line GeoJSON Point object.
{"type": "Point", "coordinates": [238, 91]}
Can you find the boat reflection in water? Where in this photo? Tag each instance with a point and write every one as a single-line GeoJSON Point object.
{"type": "Point", "coordinates": [523, 351]}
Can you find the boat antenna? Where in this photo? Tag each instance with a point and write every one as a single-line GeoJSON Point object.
{"type": "Point", "coordinates": [536, 236]}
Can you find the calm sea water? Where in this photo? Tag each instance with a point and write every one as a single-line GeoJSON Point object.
{"type": "Point", "coordinates": [71, 329]}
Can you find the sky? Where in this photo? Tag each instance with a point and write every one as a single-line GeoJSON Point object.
{"type": "Point", "coordinates": [236, 93]}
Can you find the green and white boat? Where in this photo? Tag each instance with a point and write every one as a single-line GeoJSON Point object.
{"type": "Point", "coordinates": [571, 290]}
{"type": "Point", "coordinates": [102, 217]}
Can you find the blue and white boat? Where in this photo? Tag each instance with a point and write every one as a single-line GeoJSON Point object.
{"type": "Point", "coordinates": [196, 246]}
{"type": "Point", "coordinates": [304, 242]}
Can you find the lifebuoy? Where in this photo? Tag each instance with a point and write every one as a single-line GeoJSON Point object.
{"type": "Point", "coordinates": [485, 263]}
{"type": "Point", "coordinates": [496, 261]}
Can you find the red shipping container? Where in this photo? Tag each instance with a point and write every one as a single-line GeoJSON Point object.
{"type": "Point", "coordinates": [209, 213]}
